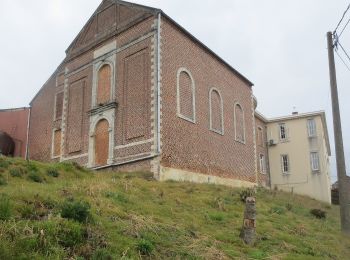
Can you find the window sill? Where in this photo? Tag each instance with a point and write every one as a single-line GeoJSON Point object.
{"type": "Point", "coordinates": [193, 121]}
{"type": "Point", "coordinates": [217, 132]}
{"type": "Point", "coordinates": [286, 173]}
{"type": "Point", "coordinates": [240, 141]}
{"type": "Point", "coordinates": [284, 141]}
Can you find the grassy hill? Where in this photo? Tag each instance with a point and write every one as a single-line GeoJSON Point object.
{"type": "Point", "coordinates": [63, 211]}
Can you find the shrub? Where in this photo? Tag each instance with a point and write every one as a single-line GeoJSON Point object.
{"type": "Point", "coordinates": [4, 164]}
{"type": "Point", "coordinates": [217, 216]}
{"type": "Point", "coordinates": [289, 206]}
{"type": "Point", "coordinates": [34, 176]}
{"type": "Point", "coordinates": [17, 172]}
{"type": "Point", "coordinates": [145, 247]}
{"type": "Point", "coordinates": [3, 181]}
{"type": "Point", "coordinates": [277, 210]}
{"type": "Point", "coordinates": [52, 172]}
{"type": "Point", "coordinates": [102, 254]}
{"type": "Point", "coordinates": [246, 193]}
{"type": "Point", "coordinates": [318, 213]}
{"type": "Point", "coordinates": [76, 210]}
{"type": "Point", "coordinates": [70, 234]}
{"type": "Point", "coordinates": [5, 207]}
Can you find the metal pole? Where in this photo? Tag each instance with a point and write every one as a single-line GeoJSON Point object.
{"type": "Point", "coordinates": [344, 188]}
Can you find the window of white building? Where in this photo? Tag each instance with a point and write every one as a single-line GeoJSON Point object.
{"type": "Point", "coordinates": [315, 161]}
{"type": "Point", "coordinates": [283, 132]}
{"type": "Point", "coordinates": [311, 127]}
{"type": "Point", "coordinates": [285, 164]}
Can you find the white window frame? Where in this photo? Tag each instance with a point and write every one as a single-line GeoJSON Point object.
{"type": "Point", "coordinates": [285, 165]}
{"type": "Point", "coordinates": [262, 163]}
{"type": "Point", "coordinates": [285, 138]}
{"type": "Point", "coordinates": [210, 112]}
{"type": "Point", "coordinates": [315, 161]}
{"type": "Point", "coordinates": [178, 101]}
{"type": "Point", "coordinates": [311, 127]}
{"type": "Point", "coordinates": [235, 123]}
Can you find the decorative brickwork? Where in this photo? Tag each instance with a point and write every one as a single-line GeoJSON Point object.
{"type": "Point", "coordinates": [239, 123]}
{"type": "Point", "coordinates": [216, 111]}
{"type": "Point", "coordinates": [186, 101]}
{"type": "Point", "coordinates": [57, 135]}
{"type": "Point", "coordinates": [59, 105]}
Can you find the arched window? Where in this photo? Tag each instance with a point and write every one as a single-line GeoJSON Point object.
{"type": "Point", "coordinates": [186, 95]}
{"type": "Point", "coordinates": [239, 123]}
{"type": "Point", "coordinates": [216, 111]}
{"type": "Point", "coordinates": [104, 84]}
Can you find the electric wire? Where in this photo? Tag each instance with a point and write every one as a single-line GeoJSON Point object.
{"type": "Point", "coordinates": [344, 28]}
{"type": "Point", "coordinates": [341, 46]}
{"type": "Point", "coordinates": [346, 65]}
{"type": "Point", "coordinates": [341, 20]}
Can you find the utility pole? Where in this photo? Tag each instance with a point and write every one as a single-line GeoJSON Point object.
{"type": "Point", "coordinates": [343, 179]}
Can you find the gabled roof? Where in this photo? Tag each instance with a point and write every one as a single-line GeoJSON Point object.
{"type": "Point", "coordinates": [154, 11]}
{"type": "Point", "coordinates": [147, 12]}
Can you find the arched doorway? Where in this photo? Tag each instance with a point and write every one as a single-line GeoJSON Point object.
{"type": "Point", "coordinates": [101, 143]}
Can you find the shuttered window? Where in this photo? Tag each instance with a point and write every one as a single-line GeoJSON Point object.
{"type": "Point", "coordinates": [59, 106]}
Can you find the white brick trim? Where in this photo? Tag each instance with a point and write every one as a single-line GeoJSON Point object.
{"type": "Point", "coordinates": [210, 112]}
{"type": "Point", "coordinates": [237, 104]}
{"type": "Point", "coordinates": [108, 115]}
{"type": "Point", "coordinates": [111, 62]}
{"type": "Point", "coordinates": [178, 101]}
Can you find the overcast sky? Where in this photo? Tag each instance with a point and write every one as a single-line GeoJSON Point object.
{"type": "Point", "coordinates": [279, 45]}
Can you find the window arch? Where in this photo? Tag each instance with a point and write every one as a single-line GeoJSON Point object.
{"type": "Point", "coordinates": [104, 84]}
{"type": "Point", "coordinates": [216, 111]}
{"type": "Point", "coordinates": [186, 101]}
{"type": "Point", "coordinates": [239, 123]}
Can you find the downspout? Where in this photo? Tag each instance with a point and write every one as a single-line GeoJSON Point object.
{"type": "Point", "coordinates": [27, 143]}
{"type": "Point", "coordinates": [158, 83]}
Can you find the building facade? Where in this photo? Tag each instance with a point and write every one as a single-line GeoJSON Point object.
{"type": "Point", "coordinates": [299, 155]}
{"type": "Point", "coordinates": [14, 122]}
{"type": "Point", "coordinates": [137, 91]}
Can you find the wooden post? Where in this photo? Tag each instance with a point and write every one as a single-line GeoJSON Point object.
{"type": "Point", "coordinates": [249, 222]}
{"type": "Point", "coordinates": [343, 179]}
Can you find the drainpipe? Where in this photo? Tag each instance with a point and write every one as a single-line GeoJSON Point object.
{"type": "Point", "coordinates": [27, 143]}
{"type": "Point", "coordinates": [158, 82]}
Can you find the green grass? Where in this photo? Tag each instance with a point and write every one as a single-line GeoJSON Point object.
{"type": "Point", "coordinates": [129, 216]}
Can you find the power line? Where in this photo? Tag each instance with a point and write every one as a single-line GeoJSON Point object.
{"type": "Point", "coordinates": [341, 20]}
{"type": "Point", "coordinates": [341, 46]}
{"type": "Point", "coordinates": [344, 28]}
{"type": "Point", "coordinates": [346, 65]}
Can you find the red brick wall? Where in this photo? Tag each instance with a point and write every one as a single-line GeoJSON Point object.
{"type": "Point", "coordinates": [133, 95]}
{"type": "Point", "coordinates": [191, 146]}
{"type": "Point", "coordinates": [15, 123]}
{"type": "Point", "coordinates": [261, 148]}
{"type": "Point", "coordinates": [42, 122]}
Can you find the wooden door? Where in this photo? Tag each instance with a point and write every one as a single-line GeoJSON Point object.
{"type": "Point", "coordinates": [101, 143]}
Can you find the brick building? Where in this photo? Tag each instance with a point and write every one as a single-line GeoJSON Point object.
{"type": "Point", "coordinates": [137, 91]}
{"type": "Point", "coordinates": [14, 122]}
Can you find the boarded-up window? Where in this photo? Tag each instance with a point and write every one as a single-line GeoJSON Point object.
{"type": "Point", "coordinates": [101, 143]}
{"type": "Point", "coordinates": [75, 116]}
{"type": "Point", "coordinates": [216, 111]}
{"type": "Point", "coordinates": [104, 84]}
{"type": "Point", "coordinates": [185, 95]}
{"type": "Point", "coordinates": [59, 106]}
{"type": "Point", "coordinates": [57, 135]}
{"type": "Point", "coordinates": [136, 80]}
{"type": "Point", "coordinates": [239, 123]}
